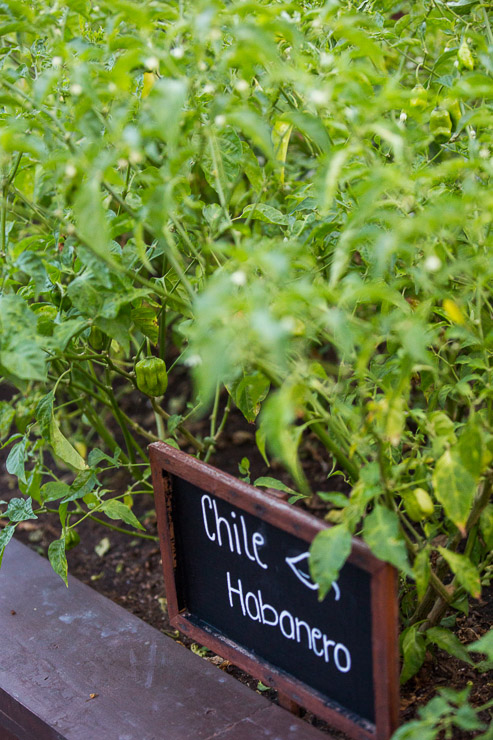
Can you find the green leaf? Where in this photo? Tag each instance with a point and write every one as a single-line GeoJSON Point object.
{"type": "Point", "coordinates": [466, 718]}
{"type": "Point", "coordinates": [5, 536]}
{"type": "Point", "coordinates": [328, 553]}
{"type": "Point", "coordinates": [20, 509]}
{"type": "Point", "coordinates": [7, 414]}
{"type": "Point", "coordinates": [470, 447]}
{"type": "Point", "coordinates": [96, 456]}
{"type": "Point", "coordinates": [263, 212]}
{"type": "Point", "coordinates": [118, 328]}
{"type": "Point", "coordinates": [221, 161]}
{"type": "Point", "coordinates": [278, 414]}
{"type": "Point", "coordinates": [253, 127]}
{"type": "Point", "coordinates": [269, 482]}
{"type": "Point", "coordinates": [16, 460]}
{"type": "Point", "coordinates": [416, 730]}
{"type": "Point", "coordinates": [414, 650]}
{"type": "Point", "coordinates": [261, 440]}
{"type": "Point", "coordinates": [454, 487]}
{"type": "Point", "coordinates": [58, 559]}
{"type": "Point", "coordinates": [52, 434]}
{"type": "Point", "coordinates": [64, 332]}
{"type": "Point", "coordinates": [381, 532]}
{"type": "Point", "coordinates": [248, 394]}
{"type": "Point", "coordinates": [168, 98]}
{"type": "Point", "coordinates": [20, 353]}
{"type": "Point", "coordinates": [252, 168]}
{"type": "Point", "coordinates": [483, 645]}
{"type": "Point", "coordinates": [32, 265]}
{"type": "Point", "coordinates": [446, 640]}
{"type": "Point", "coordinates": [145, 319]}
{"type": "Point", "coordinates": [466, 572]}
{"type": "Point", "coordinates": [329, 176]}
{"type": "Point", "coordinates": [44, 414]}
{"type": "Point", "coordinates": [422, 572]}
{"type": "Point", "coordinates": [32, 487]}
{"type": "Point", "coordinates": [53, 490]}
{"type": "Point", "coordinates": [84, 483]}
{"type": "Point", "coordinates": [486, 525]}
{"type": "Point", "coordinates": [335, 498]}
{"type": "Point", "coordinates": [90, 216]}
{"type": "Point", "coordinates": [64, 450]}
{"type": "Point", "coordinates": [117, 510]}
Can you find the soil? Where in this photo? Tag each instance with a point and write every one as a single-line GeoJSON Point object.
{"type": "Point", "coordinates": [128, 570]}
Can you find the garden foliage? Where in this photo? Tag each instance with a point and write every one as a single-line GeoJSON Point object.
{"type": "Point", "coordinates": [291, 199]}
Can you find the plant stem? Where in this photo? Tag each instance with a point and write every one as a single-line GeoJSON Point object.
{"type": "Point", "coordinates": [335, 451]}
{"type": "Point", "coordinates": [121, 529]}
{"type": "Point", "coordinates": [199, 446]}
{"type": "Point", "coordinates": [3, 225]}
{"type": "Point", "coordinates": [488, 26]}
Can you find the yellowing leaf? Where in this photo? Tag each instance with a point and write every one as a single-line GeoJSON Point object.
{"type": "Point", "coordinates": [454, 487]}
{"type": "Point", "coordinates": [149, 80]}
{"type": "Point", "coordinates": [453, 311]}
{"type": "Point", "coordinates": [281, 134]}
{"type": "Point", "coordinates": [381, 532]}
{"type": "Point", "coordinates": [466, 572]}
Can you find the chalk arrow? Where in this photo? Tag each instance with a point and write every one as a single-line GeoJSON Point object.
{"type": "Point", "coordinates": [305, 577]}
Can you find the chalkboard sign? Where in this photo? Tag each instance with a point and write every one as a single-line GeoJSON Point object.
{"type": "Point", "coordinates": [237, 580]}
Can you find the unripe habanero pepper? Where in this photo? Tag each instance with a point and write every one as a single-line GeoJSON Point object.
{"type": "Point", "coordinates": [440, 124]}
{"type": "Point", "coordinates": [97, 338]}
{"type": "Point", "coordinates": [72, 539]}
{"type": "Point", "coordinates": [151, 376]}
{"type": "Point", "coordinates": [465, 56]}
{"type": "Point", "coordinates": [419, 97]}
{"type": "Point", "coordinates": [418, 504]}
{"type": "Point", "coordinates": [453, 107]}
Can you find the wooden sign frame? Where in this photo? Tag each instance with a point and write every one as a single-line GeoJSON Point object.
{"type": "Point", "coordinates": [167, 461]}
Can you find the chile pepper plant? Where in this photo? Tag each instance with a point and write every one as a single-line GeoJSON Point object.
{"type": "Point", "coordinates": [290, 199]}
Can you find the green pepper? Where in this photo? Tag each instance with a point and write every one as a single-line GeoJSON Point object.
{"type": "Point", "coordinates": [419, 97]}
{"type": "Point", "coordinates": [418, 504]}
{"type": "Point", "coordinates": [151, 376]}
{"type": "Point", "coordinates": [465, 56]}
{"type": "Point", "coordinates": [97, 338]}
{"type": "Point", "coordinates": [440, 124]}
{"type": "Point", "coordinates": [72, 539]}
{"type": "Point", "coordinates": [453, 107]}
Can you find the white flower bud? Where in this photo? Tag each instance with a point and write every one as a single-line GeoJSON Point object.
{"type": "Point", "coordinates": [238, 278]}
{"type": "Point", "coordinates": [432, 263]}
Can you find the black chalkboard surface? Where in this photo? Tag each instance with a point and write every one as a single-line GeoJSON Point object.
{"type": "Point", "coordinates": [237, 580]}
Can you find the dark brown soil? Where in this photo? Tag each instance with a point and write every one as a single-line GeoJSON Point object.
{"type": "Point", "coordinates": [128, 571]}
